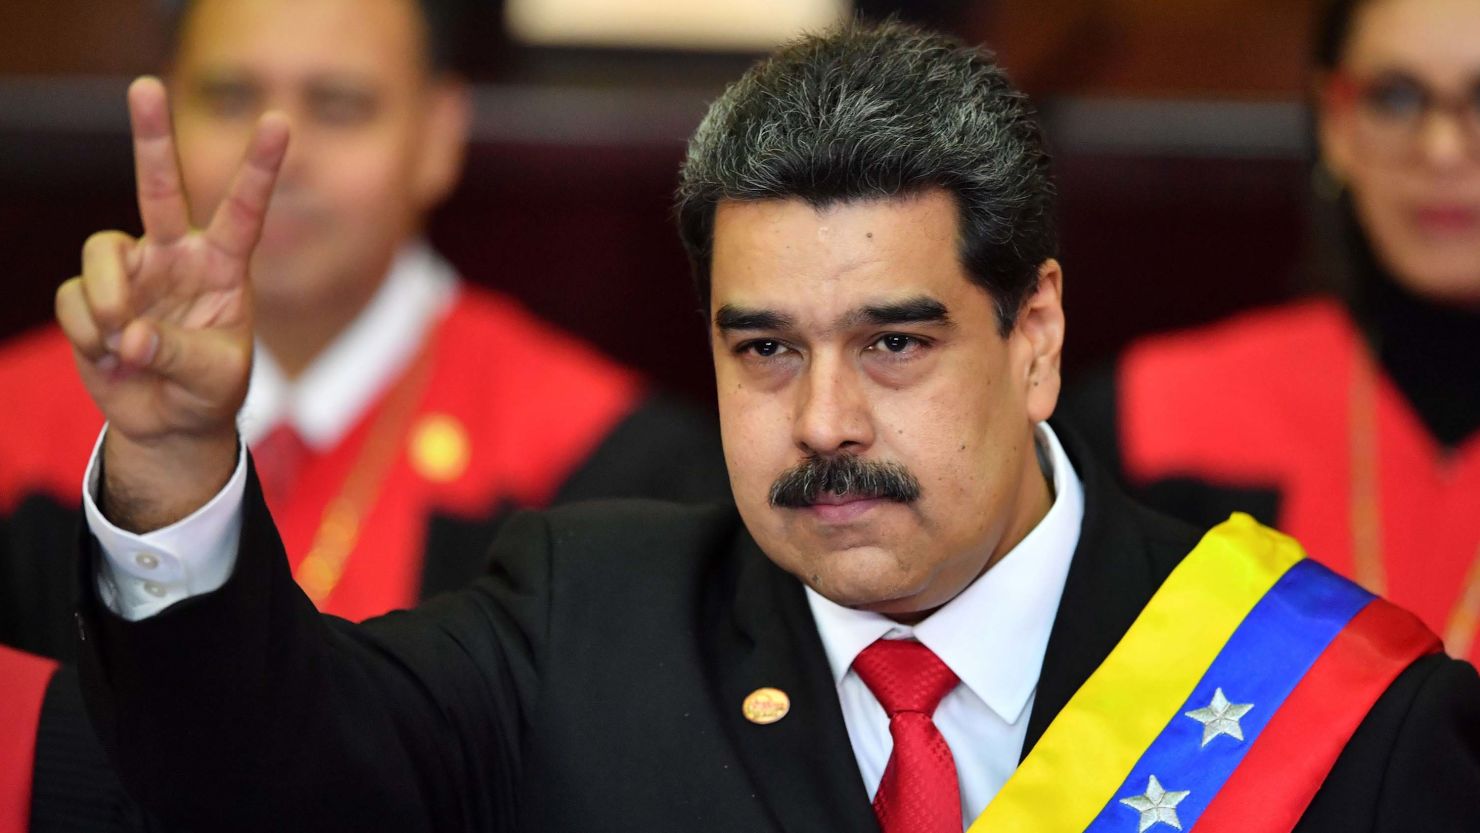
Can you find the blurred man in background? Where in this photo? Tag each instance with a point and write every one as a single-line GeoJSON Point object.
{"type": "Point", "coordinates": [391, 404]}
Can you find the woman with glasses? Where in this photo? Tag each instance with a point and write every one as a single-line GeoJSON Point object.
{"type": "Point", "coordinates": [1349, 421]}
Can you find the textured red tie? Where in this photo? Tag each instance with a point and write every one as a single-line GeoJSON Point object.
{"type": "Point", "coordinates": [279, 457]}
{"type": "Point", "coordinates": [919, 792]}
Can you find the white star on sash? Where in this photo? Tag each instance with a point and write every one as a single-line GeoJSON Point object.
{"type": "Point", "coordinates": [1157, 806]}
{"type": "Point", "coordinates": [1221, 717]}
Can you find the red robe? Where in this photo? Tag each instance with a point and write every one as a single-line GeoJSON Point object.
{"type": "Point", "coordinates": [514, 407]}
{"type": "Point", "coordinates": [23, 680]}
{"type": "Point", "coordinates": [1265, 401]}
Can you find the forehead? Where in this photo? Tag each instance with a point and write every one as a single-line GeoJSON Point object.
{"type": "Point", "coordinates": [301, 37]}
{"type": "Point", "coordinates": [817, 263]}
{"type": "Point", "coordinates": [1437, 37]}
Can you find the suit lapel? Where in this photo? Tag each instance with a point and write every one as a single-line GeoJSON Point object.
{"type": "Point", "coordinates": [802, 766]}
{"type": "Point", "coordinates": [1113, 575]}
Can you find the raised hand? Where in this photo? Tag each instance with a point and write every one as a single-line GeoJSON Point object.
{"type": "Point", "coordinates": [162, 324]}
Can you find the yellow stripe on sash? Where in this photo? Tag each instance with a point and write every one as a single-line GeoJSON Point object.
{"type": "Point", "coordinates": [1090, 748]}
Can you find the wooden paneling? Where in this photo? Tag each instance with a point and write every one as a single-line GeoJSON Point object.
{"type": "Point", "coordinates": [1239, 48]}
{"type": "Point", "coordinates": [1138, 47]}
{"type": "Point", "coordinates": [79, 37]}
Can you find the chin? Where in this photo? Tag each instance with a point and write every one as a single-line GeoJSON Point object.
{"type": "Point", "coordinates": [1445, 283]}
{"type": "Point", "coordinates": [869, 580]}
{"type": "Point", "coordinates": [276, 274]}
{"type": "Point", "coordinates": [908, 607]}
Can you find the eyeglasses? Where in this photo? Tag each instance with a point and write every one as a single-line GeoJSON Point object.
{"type": "Point", "coordinates": [1392, 110]}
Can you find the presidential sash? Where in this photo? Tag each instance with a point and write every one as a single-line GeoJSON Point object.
{"type": "Point", "coordinates": [1224, 706]}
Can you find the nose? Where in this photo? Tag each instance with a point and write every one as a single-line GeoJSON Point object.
{"type": "Point", "coordinates": [298, 161]}
{"type": "Point", "coordinates": [1444, 140]}
{"type": "Point", "coordinates": [304, 141]}
{"type": "Point", "coordinates": [832, 409]}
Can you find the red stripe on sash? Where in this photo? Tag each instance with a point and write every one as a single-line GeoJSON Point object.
{"type": "Point", "coordinates": [23, 681]}
{"type": "Point", "coordinates": [1289, 761]}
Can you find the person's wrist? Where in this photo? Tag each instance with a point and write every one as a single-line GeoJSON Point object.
{"type": "Point", "coordinates": [150, 483]}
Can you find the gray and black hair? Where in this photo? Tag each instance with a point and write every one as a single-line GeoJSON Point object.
{"type": "Point", "coordinates": [868, 111]}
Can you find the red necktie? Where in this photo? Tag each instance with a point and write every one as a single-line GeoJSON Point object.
{"type": "Point", "coordinates": [279, 457]}
{"type": "Point", "coordinates": [919, 792]}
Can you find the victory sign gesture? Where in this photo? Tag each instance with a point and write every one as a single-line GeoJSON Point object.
{"type": "Point", "coordinates": [161, 325]}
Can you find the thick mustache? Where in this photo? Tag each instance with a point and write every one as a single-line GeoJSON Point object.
{"type": "Point", "coordinates": [843, 474]}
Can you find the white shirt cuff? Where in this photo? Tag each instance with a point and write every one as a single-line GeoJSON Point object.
{"type": "Point", "coordinates": [140, 575]}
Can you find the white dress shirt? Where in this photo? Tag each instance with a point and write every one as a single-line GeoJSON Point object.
{"type": "Point", "coordinates": [143, 574]}
{"type": "Point", "coordinates": [993, 636]}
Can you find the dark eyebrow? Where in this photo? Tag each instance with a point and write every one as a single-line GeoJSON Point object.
{"type": "Point", "coordinates": [920, 310]}
{"type": "Point", "coordinates": [730, 318]}
{"type": "Point", "coordinates": [342, 83]}
{"type": "Point", "coordinates": [214, 80]}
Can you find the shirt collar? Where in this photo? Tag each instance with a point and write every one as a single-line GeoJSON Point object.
{"type": "Point", "coordinates": [995, 633]}
{"type": "Point", "coordinates": [357, 366]}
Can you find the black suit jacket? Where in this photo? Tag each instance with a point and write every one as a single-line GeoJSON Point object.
{"type": "Point", "coordinates": [594, 681]}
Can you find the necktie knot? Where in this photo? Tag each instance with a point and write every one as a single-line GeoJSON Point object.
{"type": "Point", "coordinates": [904, 676]}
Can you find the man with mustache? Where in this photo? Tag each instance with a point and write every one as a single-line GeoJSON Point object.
{"type": "Point", "coordinates": [930, 609]}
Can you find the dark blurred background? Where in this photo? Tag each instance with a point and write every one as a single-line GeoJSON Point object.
{"type": "Point", "coordinates": [1178, 127]}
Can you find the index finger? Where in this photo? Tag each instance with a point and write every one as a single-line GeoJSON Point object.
{"type": "Point", "coordinates": [162, 203]}
{"type": "Point", "coordinates": [238, 220]}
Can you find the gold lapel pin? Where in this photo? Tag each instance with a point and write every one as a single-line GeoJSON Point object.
{"type": "Point", "coordinates": [766, 705]}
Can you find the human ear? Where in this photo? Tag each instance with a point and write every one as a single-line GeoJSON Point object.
{"type": "Point", "coordinates": [447, 122]}
{"type": "Point", "coordinates": [1333, 132]}
{"type": "Point", "coordinates": [1041, 326]}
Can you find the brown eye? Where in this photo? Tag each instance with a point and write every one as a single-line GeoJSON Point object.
{"type": "Point", "coordinates": [897, 344]}
{"type": "Point", "coordinates": [342, 107]}
{"type": "Point", "coordinates": [764, 348]}
{"type": "Point", "coordinates": [228, 100]}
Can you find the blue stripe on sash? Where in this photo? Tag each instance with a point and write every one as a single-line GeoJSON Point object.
{"type": "Point", "coordinates": [1261, 664]}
